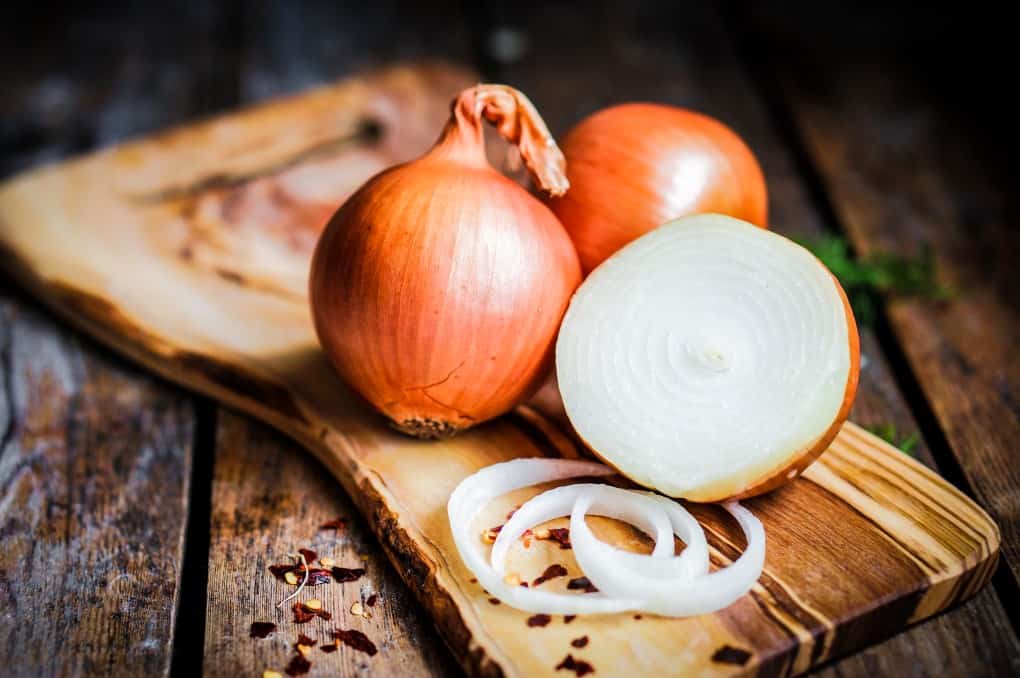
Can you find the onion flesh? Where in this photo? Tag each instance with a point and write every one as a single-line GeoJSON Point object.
{"type": "Point", "coordinates": [676, 596]}
{"type": "Point", "coordinates": [660, 582]}
{"type": "Point", "coordinates": [709, 359]}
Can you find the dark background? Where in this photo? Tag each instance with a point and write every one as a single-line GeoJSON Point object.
{"type": "Point", "coordinates": [888, 124]}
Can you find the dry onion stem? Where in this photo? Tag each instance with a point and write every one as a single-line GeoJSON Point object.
{"type": "Point", "coordinates": [304, 581]}
{"type": "Point", "coordinates": [437, 289]}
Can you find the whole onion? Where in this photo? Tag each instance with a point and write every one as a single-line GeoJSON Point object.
{"type": "Point", "coordinates": [634, 166]}
{"type": "Point", "coordinates": [437, 289]}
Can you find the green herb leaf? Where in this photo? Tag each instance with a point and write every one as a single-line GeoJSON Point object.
{"type": "Point", "coordinates": [881, 273]}
{"type": "Point", "coordinates": [887, 432]}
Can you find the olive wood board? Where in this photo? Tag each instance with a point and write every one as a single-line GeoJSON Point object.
{"type": "Point", "coordinates": [188, 252]}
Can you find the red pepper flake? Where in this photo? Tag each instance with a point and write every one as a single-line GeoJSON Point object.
{"type": "Point", "coordinates": [344, 574]}
{"type": "Point", "coordinates": [280, 570]}
{"type": "Point", "coordinates": [332, 647]}
{"type": "Point", "coordinates": [494, 601]}
{"type": "Point", "coordinates": [560, 535]}
{"type": "Point", "coordinates": [567, 618]}
{"type": "Point", "coordinates": [637, 616]}
{"type": "Point", "coordinates": [551, 572]}
{"type": "Point", "coordinates": [512, 512]}
{"type": "Point", "coordinates": [261, 629]}
{"type": "Point", "coordinates": [583, 584]}
{"type": "Point", "coordinates": [302, 639]}
{"type": "Point", "coordinates": [727, 654]}
{"type": "Point", "coordinates": [580, 642]}
{"type": "Point", "coordinates": [580, 667]}
{"type": "Point", "coordinates": [304, 614]}
{"type": "Point", "coordinates": [316, 575]}
{"type": "Point", "coordinates": [310, 555]}
{"type": "Point", "coordinates": [338, 524]}
{"type": "Point", "coordinates": [357, 640]}
{"type": "Point", "coordinates": [298, 666]}
{"type": "Point", "coordinates": [370, 601]}
{"type": "Point", "coordinates": [473, 580]}
{"type": "Point", "coordinates": [539, 620]}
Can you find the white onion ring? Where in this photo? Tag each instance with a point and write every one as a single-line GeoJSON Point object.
{"type": "Point", "coordinates": [676, 596]}
{"type": "Point", "coordinates": [609, 501]}
{"type": "Point", "coordinates": [656, 516]}
{"type": "Point", "coordinates": [478, 489]}
{"type": "Point", "coordinates": [659, 583]}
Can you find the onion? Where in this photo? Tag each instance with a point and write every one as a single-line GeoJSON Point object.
{"type": "Point", "coordinates": [674, 596]}
{"type": "Point", "coordinates": [477, 490]}
{"type": "Point", "coordinates": [709, 359]}
{"type": "Point", "coordinates": [438, 287]}
{"type": "Point", "coordinates": [635, 166]}
{"type": "Point", "coordinates": [660, 582]}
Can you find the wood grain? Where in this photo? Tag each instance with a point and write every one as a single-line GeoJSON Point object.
{"type": "Point", "coordinates": [94, 462]}
{"type": "Point", "coordinates": [285, 47]}
{"type": "Point", "coordinates": [95, 457]}
{"type": "Point", "coordinates": [581, 59]}
{"type": "Point", "coordinates": [878, 126]}
{"type": "Point", "coordinates": [269, 499]}
{"type": "Point", "coordinates": [902, 544]}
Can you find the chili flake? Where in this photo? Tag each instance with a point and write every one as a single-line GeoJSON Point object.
{"type": "Point", "coordinates": [539, 620]}
{"type": "Point", "coordinates": [261, 629]}
{"type": "Point", "coordinates": [551, 572]}
{"type": "Point", "coordinates": [357, 640]}
{"type": "Point", "coordinates": [580, 642]}
{"type": "Point", "coordinates": [337, 524]}
{"type": "Point", "coordinates": [344, 574]}
{"type": "Point", "coordinates": [567, 618]}
{"type": "Point", "coordinates": [727, 654]}
{"type": "Point", "coordinates": [371, 600]}
{"type": "Point", "coordinates": [583, 584]}
{"type": "Point", "coordinates": [332, 647]}
{"type": "Point", "coordinates": [578, 666]}
{"type": "Point", "coordinates": [304, 613]}
{"type": "Point", "coordinates": [298, 666]}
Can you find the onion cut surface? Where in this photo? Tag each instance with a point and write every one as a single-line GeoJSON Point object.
{"type": "Point", "coordinates": [709, 359]}
{"type": "Point", "coordinates": [661, 582]}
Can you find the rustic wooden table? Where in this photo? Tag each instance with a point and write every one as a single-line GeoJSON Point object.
{"type": "Point", "coordinates": [130, 508]}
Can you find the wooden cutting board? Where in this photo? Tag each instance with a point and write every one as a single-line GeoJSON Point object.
{"type": "Point", "coordinates": [188, 251]}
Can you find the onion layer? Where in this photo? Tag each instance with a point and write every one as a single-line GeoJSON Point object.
{"type": "Point", "coordinates": [661, 582]}
{"type": "Point", "coordinates": [635, 166]}
{"type": "Point", "coordinates": [709, 359]}
{"type": "Point", "coordinates": [438, 287]}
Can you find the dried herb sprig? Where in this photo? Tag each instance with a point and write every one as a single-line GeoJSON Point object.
{"type": "Point", "coordinates": [880, 273]}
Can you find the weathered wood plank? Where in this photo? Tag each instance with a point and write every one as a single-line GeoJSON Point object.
{"type": "Point", "coordinates": [911, 154]}
{"type": "Point", "coordinates": [94, 463]}
{"type": "Point", "coordinates": [269, 498]}
{"type": "Point", "coordinates": [578, 60]}
{"type": "Point", "coordinates": [97, 457]}
{"type": "Point", "coordinates": [285, 494]}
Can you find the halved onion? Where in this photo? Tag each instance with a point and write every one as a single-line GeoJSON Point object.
{"type": "Point", "coordinates": [709, 359]}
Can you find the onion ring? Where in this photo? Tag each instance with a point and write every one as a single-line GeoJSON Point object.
{"type": "Point", "coordinates": [674, 596]}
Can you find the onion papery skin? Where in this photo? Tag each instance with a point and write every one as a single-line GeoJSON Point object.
{"type": "Point", "coordinates": [437, 289]}
{"type": "Point", "coordinates": [634, 166]}
{"type": "Point", "coordinates": [709, 359]}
